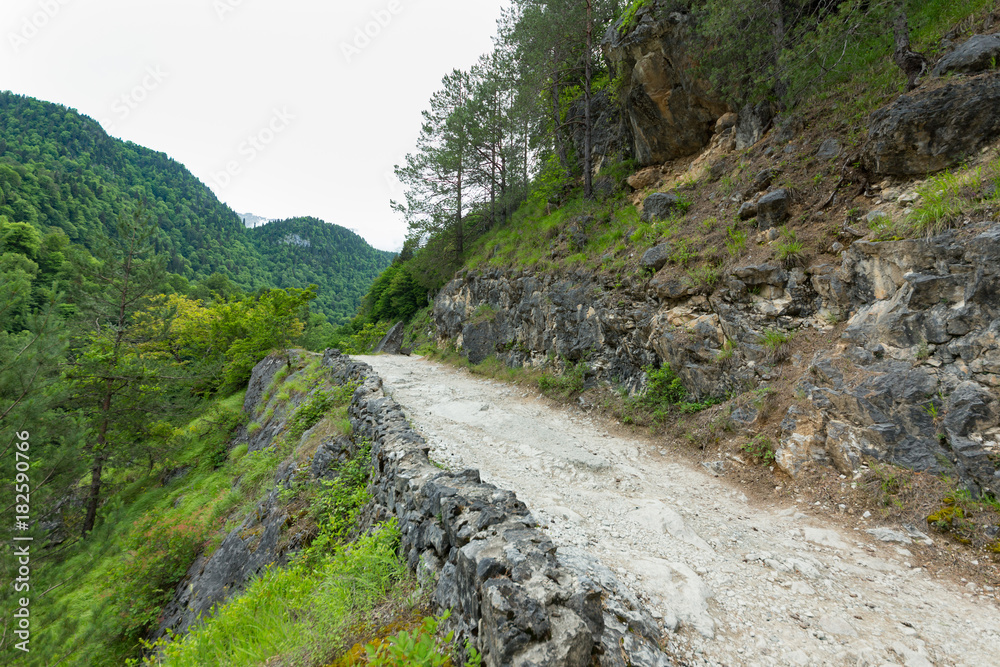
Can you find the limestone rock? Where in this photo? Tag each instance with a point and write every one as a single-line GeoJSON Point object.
{"type": "Point", "coordinates": [747, 210]}
{"type": "Point", "coordinates": [753, 123]}
{"type": "Point", "coordinates": [925, 132]}
{"type": "Point", "coordinates": [645, 179]}
{"type": "Point", "coordinates": [977, 54]}
{"type": "Point", "coordinates": [772, 208]}
{"type": "Point", "coordinates": [659, 206]}
{"type": "Point", "coordinates": [392, 342]}
{"type": "Point", "coordinates": [670, 112]}
{"type": "Point", "coordinates": [656, 257]}
{"type": "Point", "coordinates": [829, 149]}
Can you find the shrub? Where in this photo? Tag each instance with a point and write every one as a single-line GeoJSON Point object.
{"type": "Point", "coordinates": [423, 646]}
{"type": "Point", "coordinates": [566, 385]}
{"type": "Point", "coordinates": [760, 448]}
{"type": "Point", "coordinates": [736, 240]}
{"type": "Point", "coordinates": [790, 248]}
{"type": "Point", "coordinates": [157, 554]}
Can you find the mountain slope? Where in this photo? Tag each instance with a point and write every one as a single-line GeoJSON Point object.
{"type": "Point", "coordinates": [59, 169]}
{"type": "Point", "coordinates": [303, 251]}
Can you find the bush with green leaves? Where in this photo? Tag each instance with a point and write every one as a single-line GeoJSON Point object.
{"type": "Point", "coordinates": [422, 647]}
{"type": "Point", "coordinates": [156, 556]}
{"type": "Point", "coordinates": [564, 386]}
{"type": "Point", "coordinates": [761, 448]}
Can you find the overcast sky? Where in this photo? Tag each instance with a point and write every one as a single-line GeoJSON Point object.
{"type": "Point", "coordinates": [283, 107]}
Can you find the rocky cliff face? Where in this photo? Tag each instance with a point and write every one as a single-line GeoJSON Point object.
{"type": "Point", "coordinates": [668, 110]}
{"type": "Point", "coordinates": [911, 379]}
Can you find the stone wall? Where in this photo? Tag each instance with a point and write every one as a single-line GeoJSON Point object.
{"type": "Point", "coordinates": [512, 592]}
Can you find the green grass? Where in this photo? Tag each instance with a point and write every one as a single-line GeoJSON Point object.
{"type": "Point", "coordinates": [303, 613]}
{"type": "Point", "coordinates": [789, 249]}
{"type": "Point", "coordinates": [777, 344]}
{"type": "Point", "coordinates": [566, 385]}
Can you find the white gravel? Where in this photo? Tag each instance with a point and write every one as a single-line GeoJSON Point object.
{"type": "Point", "coordinates": [741, 584]}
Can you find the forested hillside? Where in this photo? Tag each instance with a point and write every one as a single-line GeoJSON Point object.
{"type": "Point", "coordinates": [60, 170]}
{"type": "Point", "coordinates": [305, 251]}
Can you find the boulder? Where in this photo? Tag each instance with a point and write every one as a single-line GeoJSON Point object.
{"type": "Point", "coordinates": [726, 121]}
{"type": "Point", "coordinates": [656, 257]}
{"type": "Point", "coordinates": [645, 179]}
{"type": "Point", "coordinates": [929, 131]}
{"type": "Point", "coordinates": [753, 124]}
{"type": "Point", "coordinates": [829, 149]}
{"type": "Point", "coordinates": [978, 54]}
{"type": "Point", "coordinates": [659, 206]}
{"type": "Point", "coordinates": [392, 343]}
{"type": "Point", "coordinates": [772, 208]}
{"type": "Point", "coordinates": [747, 210]}
{"type": "Point", "coordinates": [670, 113]}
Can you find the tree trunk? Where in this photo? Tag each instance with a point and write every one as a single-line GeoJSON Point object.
{"type": "Point", "coordinates": [912, 63]}
{"type": "Point", "coordinates": [588, 158]}
{"type": "Point", "coordinates": [459, 230]}
{"type": "Point", "coordinates": [556, 127]}
{"type": "Point", "coordinates": [776, 9]}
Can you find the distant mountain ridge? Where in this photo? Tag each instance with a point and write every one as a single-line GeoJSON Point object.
{"type": "Point", "coordinates": [60, 169]}
{"type": "Point", "coordinates": [252, 221]}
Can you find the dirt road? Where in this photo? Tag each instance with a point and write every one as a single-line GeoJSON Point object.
{"type": "Point", "coordinates": [740, 584]}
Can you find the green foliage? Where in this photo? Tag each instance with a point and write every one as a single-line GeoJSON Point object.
{"type": "Point", "coordinates": [790, 248]}
{"type": "Point", "coordinates": [337, 507]}
{"type": "Point", "coordinates": [564, 386]}
{"type": "Point", "coordinates": [681, 253]}
{"type": "Point", "coordinates": [423, 647]}
{"type": "Point", "coordinates": [628, 15]}
{"type": "Point", "coordinates": [776, 344]}
{"type": "Point", "coordinates": [705, 276]}
{"type": "Point", "coordinates": [736, 240]}
{"type": "Point", "coordinates": [299, 612]}
{"type": "Point", "coordinates": [156, 556]}
{"type": "Point", "coordinates": [60, 172]}
{"type": "Point", "coordinates": [363, 340]}
{"type": "Point", "coordinates": [258, 326]}
{"type": "Point", "coordinates": [317, 407]}
{"type": "Point", "coordinates": [306, 251]}
{"type": "Point", "coordinates": [760, 448]}
{"type": "Point", "coordinates": [663, 387]}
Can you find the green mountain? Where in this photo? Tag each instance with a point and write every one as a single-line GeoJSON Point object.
{"type": "Point", "coordinates": [303, 251]}
{"type": "Point", "coordinates": [60, 169]}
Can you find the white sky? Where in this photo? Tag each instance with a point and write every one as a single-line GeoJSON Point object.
{"type": "Point", "coordinates": [197, 78]}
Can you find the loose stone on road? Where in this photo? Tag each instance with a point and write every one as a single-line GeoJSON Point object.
{"type": "Point", "coordinates": [734, 583]}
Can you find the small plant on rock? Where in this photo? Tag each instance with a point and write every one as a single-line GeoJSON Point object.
{"type": "Point", "coordinates": [760, 448]}
{"type": "Point", "coordinates": [777, 344]}
{"type": "Point", "coordinates": [790, 248]}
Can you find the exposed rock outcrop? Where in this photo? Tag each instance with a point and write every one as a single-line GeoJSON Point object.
{"type": "Point", "coordinates": [611, 140]}
{"type": "Point", "coordinates": [913, 380]}
{"type": "Point", "coordinates": [979, 53]}
{"type": "Point", "coordinates": [669, 112]}
{"type": "Point", "coordinates": [916, 379]}
{"type": "Point", "coordinates": [265, 536]}
{"type": "Point", "coordinates": [928, 131]}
